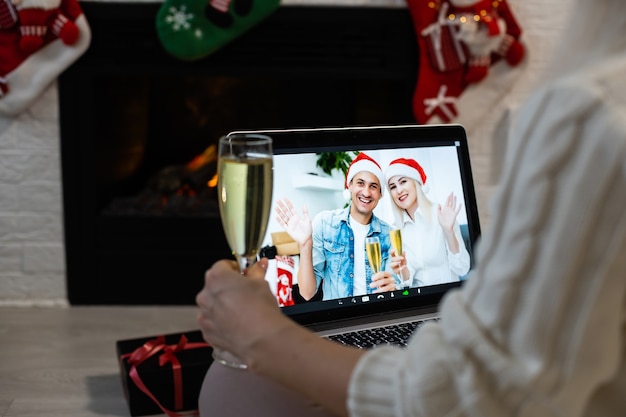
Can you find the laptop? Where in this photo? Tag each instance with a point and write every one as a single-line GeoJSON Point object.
{"type": "Point", "coordinates": [299, 158]}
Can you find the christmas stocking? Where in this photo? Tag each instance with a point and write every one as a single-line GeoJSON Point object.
{"type": "Point", "coordinates": [458, 40]}
{"type": "Point", "coordinates": [37, 17]}
{"type": "Point", "coordinates": [440, 79]}
{"type": "Point", "coordinates": [38, 40]}
{"type": "Point", "coordinates": [193, 29]}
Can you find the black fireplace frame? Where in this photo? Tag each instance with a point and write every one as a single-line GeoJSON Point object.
{"type": "Point", "coordinates": [160, 261]}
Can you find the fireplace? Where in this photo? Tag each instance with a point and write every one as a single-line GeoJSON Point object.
{"type": "Point", "coordinates": [138, 129]}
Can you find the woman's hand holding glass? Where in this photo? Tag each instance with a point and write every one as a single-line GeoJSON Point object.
{"type": "Point", "coordinates": [398, 264]}
{"type": "Point", "coordinates": [398, 257]}
{"type": "Point", "coordinates": [245, 182]}
{"type": "Point", "coordinates": [236, 312]}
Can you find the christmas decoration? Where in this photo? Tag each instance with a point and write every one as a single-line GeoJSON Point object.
{"type": "Point", "coordinates": [488, 28]}
{"type": "Point", "coordinates": [409, 168]}
{"type": "Point", "coordinates": [364, 162]}
{"type": "Point", "coordinates": [284, 282]}
{"type": "Point", "coordinates": [190, 30]}
{"type": "Point", "coordinates": [36, 17]}
{"type": "Point", "coordinates": [8, 14]}
{"type": "Point", "coordinates": [458, 41]}
{"type": "Point", "coordinates": [38, 40]}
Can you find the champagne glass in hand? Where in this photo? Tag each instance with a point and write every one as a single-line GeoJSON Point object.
{"type": "Point", "coordinates": [395, 235]}
{"type": "Point", "coordinates": [244, 184]}
{"type": "Point", "coordinates": [374, 255]}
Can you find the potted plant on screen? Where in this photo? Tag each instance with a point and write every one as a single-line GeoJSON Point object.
{"type": "Point", "coordinates": [340, 161]}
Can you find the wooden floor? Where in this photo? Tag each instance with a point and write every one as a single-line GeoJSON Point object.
{"type": "Point", "coordinates": [61, 361]}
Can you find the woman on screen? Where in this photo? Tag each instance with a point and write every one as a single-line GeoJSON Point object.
{"type": "Point", "coordinates": [433, 247]}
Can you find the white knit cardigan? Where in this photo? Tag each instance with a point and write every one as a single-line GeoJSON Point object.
{"type": "Point", "coordinates": [539, 329]}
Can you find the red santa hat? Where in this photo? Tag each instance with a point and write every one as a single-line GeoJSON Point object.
{"type": "Point", "coordinates": [406, 168]}
{"type": "Point", "coordinates": [364, 162]}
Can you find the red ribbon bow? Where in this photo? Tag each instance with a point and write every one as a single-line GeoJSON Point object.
{"type": "Point", "coordinates": [151, 348]}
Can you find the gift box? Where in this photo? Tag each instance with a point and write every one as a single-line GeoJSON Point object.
{"type": "Point", "coordinates": [8, 15]}
{"type": "Point", "coordinates": [164, 374]}
{"type": "Point", "coordinates": [285, 245]}
{"type": "Point", "coordinates": [444, 49]}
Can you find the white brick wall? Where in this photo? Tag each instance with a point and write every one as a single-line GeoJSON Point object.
{"type": "Point", "coordinates": [32, 258]}
{"type": "Point", "coordinates": [32, 263]}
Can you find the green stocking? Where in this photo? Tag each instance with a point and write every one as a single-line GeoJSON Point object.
{"type": "Point", "coordinates": [193, 29]}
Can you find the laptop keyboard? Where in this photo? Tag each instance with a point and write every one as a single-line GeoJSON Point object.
{"type": "Point", "coordinates": [395, 334]}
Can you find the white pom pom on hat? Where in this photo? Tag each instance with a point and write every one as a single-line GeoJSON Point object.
{"type": "Point", "coordinates": [364, 162]}
{"type": "Point", "coordinates": [406, 167]}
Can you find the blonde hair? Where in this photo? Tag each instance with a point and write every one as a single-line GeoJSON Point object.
{"type": "Point", "coordinates": [422, 201]}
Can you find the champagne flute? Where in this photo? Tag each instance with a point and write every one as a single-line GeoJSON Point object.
{"type": "Point", "coordinates": [372, 248]}
{"type": "Point", "coordinates": [395, 235]}
{"type": "Point", "coordinates": [245, 181]}
{"type": "Point", "coordinates": [396, 241]}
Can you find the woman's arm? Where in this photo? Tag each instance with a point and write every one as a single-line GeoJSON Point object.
{"type": "Point", "coordinates": [459, 262]}
{"type": "Point", "coordinates": [238, 313]}
{"type": "Point", "coordinates": [539, 327]}
{"type": "Point", "coordinates": [447, 214]}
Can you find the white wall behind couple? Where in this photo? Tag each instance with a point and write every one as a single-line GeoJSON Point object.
{"type": "Point", "coordinates": [32, 267]}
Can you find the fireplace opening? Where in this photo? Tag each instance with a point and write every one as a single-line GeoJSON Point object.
{"type": "Point", "coordinates": [139, 130]}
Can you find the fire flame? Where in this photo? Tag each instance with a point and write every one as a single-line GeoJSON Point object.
{"type": "Point", "coordinates": [212, 182]}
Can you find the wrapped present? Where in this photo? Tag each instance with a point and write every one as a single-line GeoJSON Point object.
{"type": "Point", "coordinates": [285, 245]}
{"type": "Point", "coordinates": [8, 14]}
{"type": "Point", "coordinates": [444, 49]}
{"type": "Point", "coordinates": [164, 374]}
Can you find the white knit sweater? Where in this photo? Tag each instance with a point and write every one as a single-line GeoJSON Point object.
{"type": "Point", "coordinates": [539, 329]}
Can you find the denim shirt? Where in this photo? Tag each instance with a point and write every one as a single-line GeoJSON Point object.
{"type": "Point", "coordinates": [333, 252]}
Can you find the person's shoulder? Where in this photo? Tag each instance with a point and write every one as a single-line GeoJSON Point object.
{"type": "Point", "coordinates": [587, 89]}
{"type": "Point", "coordinates": [607, 81]}
{"type": "Point", "coordinates": [384, 226]}
{"type": "Point", "coordinates": [610, 71]}
{"type": "Point", "coordinates": [331, 215]}
{"type": "Point", "coordinates": [594, 92]}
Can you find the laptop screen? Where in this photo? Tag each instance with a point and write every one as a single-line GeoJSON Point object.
{"type": "Point", "coordinates": [307, 172]}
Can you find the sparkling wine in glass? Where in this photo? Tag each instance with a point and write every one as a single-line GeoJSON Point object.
{"type": "Point", "coordinates": [372, 248]}
{"type": "Point", "coordinates": [395, 235]}
{"type": "Point", "coordinates": [245, 179]}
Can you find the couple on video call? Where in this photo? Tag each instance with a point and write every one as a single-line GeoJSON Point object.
{"type": "Point", "coordinates": [332, 244]}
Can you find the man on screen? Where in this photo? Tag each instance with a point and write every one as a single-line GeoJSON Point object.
{"type": "Point", "coordinates": [332, 246]}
